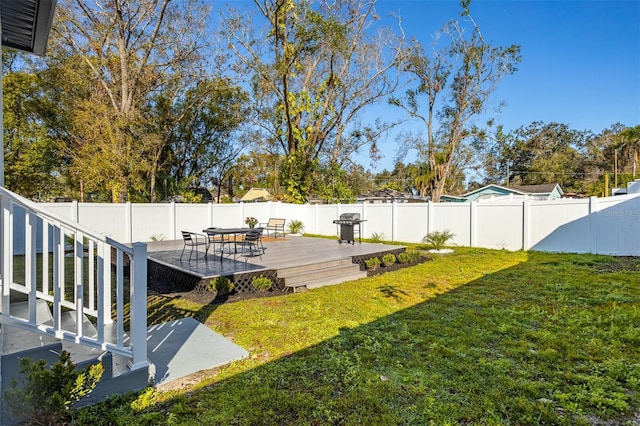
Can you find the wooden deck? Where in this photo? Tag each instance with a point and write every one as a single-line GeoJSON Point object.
{"type": "Point", "coordinates": [279, 254]}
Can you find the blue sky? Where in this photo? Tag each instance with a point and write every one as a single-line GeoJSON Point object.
{"type": "Point", "coordinates": [580, 59]}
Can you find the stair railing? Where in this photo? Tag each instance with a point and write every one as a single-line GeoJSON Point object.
{"type": "Point", "coordinates": [70, 267]}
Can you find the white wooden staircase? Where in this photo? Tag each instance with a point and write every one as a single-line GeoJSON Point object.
{"type": "Point", "coordinates": [65, 287]}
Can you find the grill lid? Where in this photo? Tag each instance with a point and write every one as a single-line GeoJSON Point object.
{"type": "Point", "coordinates": [350, 216]}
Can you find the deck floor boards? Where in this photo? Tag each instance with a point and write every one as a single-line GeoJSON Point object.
{"type": "Point", "coordinates": [280, 253]}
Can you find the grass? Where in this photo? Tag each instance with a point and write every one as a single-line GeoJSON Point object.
{"type": "Point", "coordinates": [476, 337]}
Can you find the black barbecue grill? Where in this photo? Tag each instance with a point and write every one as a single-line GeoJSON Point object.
{"type": "Point", "coordinates": [349, 227]}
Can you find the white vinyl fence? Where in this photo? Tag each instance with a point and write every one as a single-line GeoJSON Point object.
{"type": "Point", "coordinates": [594, 225]}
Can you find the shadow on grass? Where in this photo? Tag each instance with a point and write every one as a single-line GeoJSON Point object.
{"type": "Point", "coordinates": [539, 343]}
{"type": "Point", "coordinates": [393, 292]}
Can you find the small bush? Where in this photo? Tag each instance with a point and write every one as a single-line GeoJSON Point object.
{"type": "Point", "coordinates": [372, 263]}
{"type": "Point", "coordinates": [404, 257]}
{"type": "Point", "coordinates": [221, 285]}
{"type": "Point", "coordinates": [388, 259]}
{"type": "Point", "coordinates": [45, 394]}
{"type": "Point", "coordinates": [295, 226]}
{"type": "Point", "coordinates": [438, 239]}
{"type": "Point", "coordinates": [377, 238]}
{"type": "Point", "coordinates": [261, 283]}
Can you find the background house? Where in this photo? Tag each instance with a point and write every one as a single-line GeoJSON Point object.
{"type": "Point", "coordinates": [391, 196]}
{"type": "Point", "coordinates": [494, 192]}
{"type": "Point", "coordinates": [256, 195]}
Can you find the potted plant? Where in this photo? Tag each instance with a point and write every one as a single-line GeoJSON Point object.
{"type": "Point", "coordinates": [251, 221]}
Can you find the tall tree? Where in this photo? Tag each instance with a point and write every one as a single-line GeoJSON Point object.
{"type": "Point", "coordinates": [34, 152]}
{"type": "Point", "coordinates": [539, 153]}
{"type": "Point", "coordinates": [207, 139]}
{"type": "Point", "coordinates": [130, 50]}
{"type": "Point", "coordinates": [314, 68]}
{"type": "Point", "coordinates": [452, 86]}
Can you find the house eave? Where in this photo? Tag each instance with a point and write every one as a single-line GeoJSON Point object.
{"type": "Point", "coordinates": [26, 24]}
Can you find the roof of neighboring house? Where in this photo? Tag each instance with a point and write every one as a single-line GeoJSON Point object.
{"type": "Point", "coordinates": [26, 24]}
{"type": "Point", "coordinates": [494, 190]}
{"type": "Point", "coordinates": [257, 194]}
{"type": "Point", "coordinates": [390, 195]}
{"type": "Point", "coordinates": [537, 189]}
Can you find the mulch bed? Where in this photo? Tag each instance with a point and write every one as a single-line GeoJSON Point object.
{"type": "Point", "coordinates": [158, 286]}
{"type": "Point", "coordinates": [383, 269]}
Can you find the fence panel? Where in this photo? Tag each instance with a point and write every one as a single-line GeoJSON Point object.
{"type": "Point", "coordinates": [325, 215]}
{"type": "Point", "coordinates": [498, 225]}
{"type": "Point", "coordinates": [149, 221]}
{"type": "Point", "coordinates": [599, 225]}
{"type": "Point", "coordinates": [108, 219]}
{"type": "Point", "coordinates": [560, 225]}
{"type": "Point", "coordinates": [455, 217]}
{"type": "Point", "coordinates": [379, 220]}
{"type": "Point", "coordinates": [617, 226]}
{"type": "Point", "coordinates": [412, 222]}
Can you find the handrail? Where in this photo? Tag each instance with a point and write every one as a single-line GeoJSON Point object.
{"type": "Point", "coordinates": [4, 193]}
{"type": "Point", "coordinates": [87, 288]}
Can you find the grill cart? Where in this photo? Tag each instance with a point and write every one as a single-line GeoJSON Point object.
{"type": "Point", "coordinates": [349, 227]}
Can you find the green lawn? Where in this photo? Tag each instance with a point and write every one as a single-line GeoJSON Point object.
{"type": "Point", "coordinates": [475, 337]}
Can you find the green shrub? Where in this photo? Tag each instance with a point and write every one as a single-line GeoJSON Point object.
{"type": "Point", "coordinates": [221, 285]}
{"type": "Point", "coordinates": [261, 283]}
{"type": "Point", "coordinates": [404, 257]}
{"type": "Point", "coordinates": [388, 259]}
{"type": "Point", "coordinates": [45, 394]}
{"type": "Point", "coordinates": [415, 254]}
{"type": "Point", "coordinates": [372, 263]}
{"type": "Point", "coordinates": [377, 238]}
{"type": "Point", "coordinates": [296, 226]}
{"type": "Point", "coordinates": [438, 239]}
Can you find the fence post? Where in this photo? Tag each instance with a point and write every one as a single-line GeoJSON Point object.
{"type": "Point", "coordinates": [138, 295]}
{"type": "Point", "coordinates": [172, 220]}
{"type": "Point", "coordinates": [429, 217]}
{"type": "Point", "coordinates": [593, 217]}
{"type": "Point", "coordinates": [75, 211]}
{"type": "Point", "coordinates": [473, 214]}
{"type": "Point", "coordinates": [363, 225]}
{"type": "Point", "coordinates": [394, 220]}
{"type": "Point", "coordinates": [127, 222]}
{"type": "Point", "coordinates": [526, 219]}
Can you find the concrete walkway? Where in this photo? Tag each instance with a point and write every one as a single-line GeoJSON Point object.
{"type": "Point", "coordinates": [185, 346]}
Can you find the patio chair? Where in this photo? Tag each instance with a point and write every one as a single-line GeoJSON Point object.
{"type": "Point", "coordinates": [252, 244]}
{"type": "Point", "coordinates": [193, 240]}
{"type": "Point", "coordinates": [213, 239]}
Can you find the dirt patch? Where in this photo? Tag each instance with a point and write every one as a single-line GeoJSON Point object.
{"type": "Point", "coordinates": [619, 264]}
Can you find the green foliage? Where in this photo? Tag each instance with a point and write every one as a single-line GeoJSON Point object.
{"type": "Point", "coordinates": [372, 263]}
{"type": "Point", "coordinates": [34, 155]}
{"type": "Point", "coordinates": [221, 285]}
{"type": "Point", "coordinates": [409, 256]}
{"type": "Point", "coordinates": [295, 226]}
{"type": "Point", "coordinates": [438, 239]}
{"type": "Point", "coordinates": [157, 237]}
{"type": "Point", "coordinates": [45, 394]}
{"type": "Point", "coordinates": [261, 283]}
{"type": "Point", "coordinates": [388, 259]}
{"type": "Point", "coordinates": [377, 237]}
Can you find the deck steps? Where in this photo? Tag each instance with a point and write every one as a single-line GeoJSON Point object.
{"type": "Point", "coordinates": [17, 343]}
{"type": "Point", "coordinates": [320, 274]}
